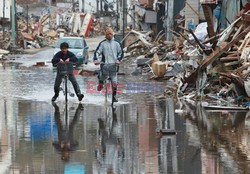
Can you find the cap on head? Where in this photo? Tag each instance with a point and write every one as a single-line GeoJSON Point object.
{"type": "Point", "coordinates": [109, 30]}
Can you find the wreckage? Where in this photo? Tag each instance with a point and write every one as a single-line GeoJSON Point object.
{"type": "Point", "coordinates": [212, 69]}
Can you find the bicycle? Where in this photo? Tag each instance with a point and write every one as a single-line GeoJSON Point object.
{"type": "Point", "coordinates": [66, 142]}
{"type": "Point", "coordinates": [110, 139]}
{"type": "Point", "coordinates": [107, 72]}
{"type": "Point", "coordinates": [65, 70]}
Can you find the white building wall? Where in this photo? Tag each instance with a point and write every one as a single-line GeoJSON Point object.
{"type": "Point", "coordinates": [5, 9]}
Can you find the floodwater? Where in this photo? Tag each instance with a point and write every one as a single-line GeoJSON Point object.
{"type": "Point", "coordinates": [92, 137]}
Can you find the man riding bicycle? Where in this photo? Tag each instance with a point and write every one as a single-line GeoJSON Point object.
{"type": "Point", "coordinates": [111, 54]}
{"type": "Point", "coordinates": [63, 57]}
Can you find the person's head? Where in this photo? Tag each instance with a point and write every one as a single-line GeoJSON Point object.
{"type": "Point", "coordinates": [110, 171]}
{"type": "Point", "coordinates": [65, 146]}
{"type": "Point", "coordinates": [65, 155]}
{"type": "Point", "coordinates": [64, 47]}
{"type": "Point", "coordinates": [109, 33]}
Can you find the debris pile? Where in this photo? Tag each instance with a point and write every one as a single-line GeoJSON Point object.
{"type": "Point", "coordinates": [208, 68]}
{"type": "Point", "coordinates": [43, 31]}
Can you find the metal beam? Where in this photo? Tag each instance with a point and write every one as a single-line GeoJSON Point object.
{"type": "Point", "coordinates": [169, 20]}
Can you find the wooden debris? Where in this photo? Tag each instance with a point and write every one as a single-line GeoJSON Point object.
{"type": "Point", "coordinates": [27, 36]}
{"type": "Point", "coordinates": [159, 68]}
{"type": "Point", "coordinates": [219, 51]}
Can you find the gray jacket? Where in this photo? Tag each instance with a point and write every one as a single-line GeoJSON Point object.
{"type": "Point", "coordinates": [109, 51]}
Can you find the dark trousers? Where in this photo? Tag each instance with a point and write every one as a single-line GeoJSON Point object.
{"type": "Point", "coordinates": [109, 71]}
{"type": "Point", "coordinates": [72, 79]}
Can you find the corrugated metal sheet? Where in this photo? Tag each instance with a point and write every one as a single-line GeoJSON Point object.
{"type": "Point", "coordinates": [140, 10]}
{"type": "Point", "coordinates": [150, 17]}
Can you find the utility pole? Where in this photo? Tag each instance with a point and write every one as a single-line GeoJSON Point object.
{"type": "Point", "coordinates": [124, 17]}
{"type": "Point", "coordinates": [13, 21]}
{"type": "Point", "coordinates": [169, 19]}
{"type": "Point", "coordinates": [81, 5]}
{"type": "Point", "coordinates": [27, 18]}
{"type": "Point", "coordinates": [117, 15]}
{"type": "Point", "coordinates": [134, 24]}
{"type": "Point", "coordinates": [3, 19]}
{"type": "Point", "coordinates": [49, 14]}
{"type": "Point", "coordinates": [101, 8]}
{"type": "Point", "coordinates": [97, 7]}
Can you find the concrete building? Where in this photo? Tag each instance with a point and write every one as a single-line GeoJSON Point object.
{"type": "Point", "coordinates": [5, 9]}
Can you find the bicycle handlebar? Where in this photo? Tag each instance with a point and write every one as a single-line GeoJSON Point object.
{"type": "Point", "coordinates": [55, 65]}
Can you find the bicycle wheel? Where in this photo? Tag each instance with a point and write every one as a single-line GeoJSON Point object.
{"type": "Point", "coordinates": [112, 95]}
{"type": "Point", "coordinates": [108, 93]}
{"type": "Point", "coordinates": [66, 88]}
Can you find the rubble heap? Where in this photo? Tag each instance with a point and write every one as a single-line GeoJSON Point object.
{"type": "Point", "coordinates": [215, 68]}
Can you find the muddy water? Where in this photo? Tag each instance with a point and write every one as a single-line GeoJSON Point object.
{"type": "Point", "coordinates": [38, 137]}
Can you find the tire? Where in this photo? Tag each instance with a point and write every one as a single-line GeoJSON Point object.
{"type": "Point", "coordinates": [66, 89]}
{"type": "Point", "coordinates": [108, 92]}
{"type": "Point", "coordinates": [86, 59]}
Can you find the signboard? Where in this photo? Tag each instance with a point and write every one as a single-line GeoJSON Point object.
{"type": "Point", "coordinates": [5, 9]}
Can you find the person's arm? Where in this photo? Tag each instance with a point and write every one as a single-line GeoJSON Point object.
{"type": "Point", "coordinates": [98, 51]}
{"type": "Point", "coordinates": [119, 52]}
{"type": "Point", "coordinates": [56, 59]}
{"type": "Point", "coordinates": [72, 57]}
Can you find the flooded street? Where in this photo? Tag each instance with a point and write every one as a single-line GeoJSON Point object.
{"type": "Point", "coordinates": [124, 139]}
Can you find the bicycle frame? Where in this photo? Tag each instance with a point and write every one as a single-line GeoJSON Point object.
{"type": "Point", "coordinates": [65, 70]}
{"type": "Point", "coordinates": [66, 87]}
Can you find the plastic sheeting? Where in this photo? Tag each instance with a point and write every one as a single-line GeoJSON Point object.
{"type": "Point", "coordinates": [200, 32]}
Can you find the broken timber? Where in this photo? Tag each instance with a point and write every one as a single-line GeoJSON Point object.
{"type": "Point", "coordinates": [219, 51]}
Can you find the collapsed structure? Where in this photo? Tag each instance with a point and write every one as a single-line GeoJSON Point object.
{"type": "Point", "coordinates": [207, 62]}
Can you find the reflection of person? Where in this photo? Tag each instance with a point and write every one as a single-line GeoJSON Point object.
{"type": "Point", "coordinates": [111, 54]}
{"type": "Point", "coordinates": [63, 57]}
{"type": "Point", "coordinates": [66, 142]}
{"type": "Point", "coordinates": [110, 153]}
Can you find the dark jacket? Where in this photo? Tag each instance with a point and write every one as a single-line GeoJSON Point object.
{"type": "Point", "coordinates": [62, 56]}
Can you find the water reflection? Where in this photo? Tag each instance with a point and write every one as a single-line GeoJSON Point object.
{"type": "Point", "coordinates": [165, 111]}
{"type": "Point", "coordinates": [99, 139]}
{"type": "Point", "coordinates": [221, 136]}
{"type": "Point", "coordinates": [109, 152]}
{"type": "Point", "coordinates": [66, 142]}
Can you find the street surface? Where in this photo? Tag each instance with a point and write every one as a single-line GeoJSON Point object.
{"type": "Point", "coordinates": [102, 139]}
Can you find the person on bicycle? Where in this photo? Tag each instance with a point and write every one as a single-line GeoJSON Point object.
{"type": "Point", "coordinates": [62, 57]}
{"type": "Point", "coordinates": [109, 53]}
